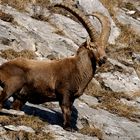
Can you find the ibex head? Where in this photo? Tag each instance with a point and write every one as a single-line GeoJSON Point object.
{"type": "Point", "coordinates": [98, 50]}
{"type": "Point", "coordinates": [97, 43]}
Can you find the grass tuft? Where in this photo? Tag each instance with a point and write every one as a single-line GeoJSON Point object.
{"type": "Point", "coordinates": [22, 4]}
{"type": "Point", "coordinates": [30, 121]}
{"type": "Point", "coordinates": [11, 54]}
{"type": "Point", "coordinates": [6, 17]}
{"type": "Point", "coordinates": [91, 131]}
{"type": "Point", "coordinates": [110, 101]}
{"type": "Point", "coordinates": [111, 5]}
{"type": "Point", "coordinates": [21, 135]}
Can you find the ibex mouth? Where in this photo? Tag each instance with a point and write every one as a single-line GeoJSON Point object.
{"type": "Point", "coordinates": [102, 61]}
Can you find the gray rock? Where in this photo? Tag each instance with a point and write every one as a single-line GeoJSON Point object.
{"type": "Point", "coordinates": [60, 134]}
{"type": "Point", "coordinates": [138, 100]}
{"type": "Point", "coordinates": [18, 39]}
{"type": "Point", "coordinates": [4, 137]}
{"type": "Point", "coordinates": [133, 103]}
{"type": "Point", "coordinates": [136, 57]}
{"type": "Point", "coordinates": [135, 3]}
{"type": "Point", "coordinates": [112, 126]}
{"type": "Point", "coordinates": [43, 38]}
{"type": "Point", "coordinates": [36, 35]}
{"type": "Point", "coordinates": [12, 112]}
{"type": "Point", "coordinates": [19, 128]}
{"type": "Point", "coordinates": [2, 130]}
{"type": "Point", "coordinates": [125, 80]}
{"type": "Point", "coordinates": [89, 100]}
{"type": "Point", "coordinates": [2, 60]}
{"type": "Point", "coordinates": [69, 28]}
{"type": "Point", "coordinates": [128, 20]}
{"type": "Point", "coordinates": [55, 1]}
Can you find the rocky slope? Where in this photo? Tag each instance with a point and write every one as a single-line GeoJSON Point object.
{"type": "Point", "coordinates": [110, 106]}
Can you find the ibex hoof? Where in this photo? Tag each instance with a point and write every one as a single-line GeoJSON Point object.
{"type": "Point", "coordinates": [1, 106]}
{"type": "Point", "coordinates": [70, 129]}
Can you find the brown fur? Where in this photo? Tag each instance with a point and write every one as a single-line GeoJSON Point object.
{"type": "Point", "coordinates": [57, 80]}
{"type": "Point", "coordinates": [42, 81]}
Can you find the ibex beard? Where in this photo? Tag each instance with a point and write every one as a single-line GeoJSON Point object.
{"type": "Point", "coordinates": [57, 80]}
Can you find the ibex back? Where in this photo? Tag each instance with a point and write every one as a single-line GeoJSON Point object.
{"type": "Point", "coordinates": [57, 80]}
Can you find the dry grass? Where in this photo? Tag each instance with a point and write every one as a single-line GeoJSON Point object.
{"type": "Point", "coordinates": [131, 43]}
{"type": "Point", "coordinates": [111, 4]}
{"type": "Point", "coordinates": [4, 120]}
{"type": "Point", "coordinates": [129, 6]}
{"type": "Point", "coordinates": [30, 121]}
{"type": "Point", "coordinates": [110, 101]}
{"type": "Point", "coordinates": [91, 131]}
{"type": "Point", "coordinates": [6, 17]}
{"type": "Point", "coordinates": [59, 32]}
{"type": "Point", "coordinates": [11, 54]}
{"type": "Point", "coordinates": [18, 4]}
{"type": "Point", "coordinates": [40, 17]}
{"type": "Point", "coordinates": [22, 4]}
{"type": "Point", "coordinates": [118, 53]}
{"type": "Point", "coordinates": [21, 135]}
{"type": "Point", "coordinates": [136, 94]}
{"type": "Point", "coordinates": [129, 37]}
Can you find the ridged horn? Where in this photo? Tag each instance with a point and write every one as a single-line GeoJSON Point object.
{"type": "Point", "coordinates": [106, 27]}
{"type": "Point", "coordinates": [82, 18]}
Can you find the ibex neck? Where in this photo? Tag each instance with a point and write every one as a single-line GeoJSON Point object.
{"type": "Point", "coordinates": [86, 65]}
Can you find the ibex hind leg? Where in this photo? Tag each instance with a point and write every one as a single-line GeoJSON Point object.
{"type": "Point", "coordinates": [18, 104]}
{"type": "Point", "coordinates": [11, 86]}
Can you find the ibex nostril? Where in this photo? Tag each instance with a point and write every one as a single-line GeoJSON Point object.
{"type": "Point", "coordinates": [102, 60]}
{"type": "Point", "coordinates": [105, 58]}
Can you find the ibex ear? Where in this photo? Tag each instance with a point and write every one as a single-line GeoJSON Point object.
{"type": "Point", "coordinates": [88, 41]}
{"type": "Point", "coordinates": [90, 45]}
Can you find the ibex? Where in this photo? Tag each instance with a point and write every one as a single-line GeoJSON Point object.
{"type": "Point", "coordinates": [63, 80]}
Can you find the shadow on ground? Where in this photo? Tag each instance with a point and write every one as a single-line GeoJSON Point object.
{"type": "Point", "coordinates": [51, 116]}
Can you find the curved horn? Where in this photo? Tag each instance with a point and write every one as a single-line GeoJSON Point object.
{"type": "Point", "coordinates": [106, 27]}
{"type": "Point", "coordinates": [82, 18]}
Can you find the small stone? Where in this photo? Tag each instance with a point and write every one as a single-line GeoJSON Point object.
{"type": "Point", "coordinates": [12, 112]}
{"type": "Point", "coordinates": [11, 127]}
{"type": "Point", "coordinates": [131, 12]}
{"type": "Point", "coordinates": [138, 100]}
{"type": "Point", "coordinates": [2, 130]}
{"type": "Point", "coordinates": [18, 128]}
{"type": "Point", "coordinates": [91, 101]}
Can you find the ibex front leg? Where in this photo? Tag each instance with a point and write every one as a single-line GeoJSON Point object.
{"type": "Point", "coordinates": [66, 106]}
